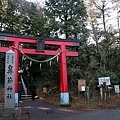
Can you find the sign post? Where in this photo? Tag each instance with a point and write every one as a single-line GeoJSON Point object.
{"type": "Point", "coordinates": [9, 96]}
{"type": "Point", "coordinates": [103, 83]}
{"type": "Point", "coordinates": [104, 79]}
{"type": "Point", "coordinates": [82, 87]}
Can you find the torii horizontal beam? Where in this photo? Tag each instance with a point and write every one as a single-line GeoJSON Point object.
{"type": "Point", "coordinates": [50, 41]}
{"type": "Point", "coordinates": [33, 51]}
{"type": "Point", "coordinates": [33, 40]}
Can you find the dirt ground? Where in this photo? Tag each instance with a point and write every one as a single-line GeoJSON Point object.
{"type": "Point", "coordinates": [79, 103]}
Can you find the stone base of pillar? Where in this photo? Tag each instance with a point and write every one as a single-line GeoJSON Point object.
{"type": "Point", "coordinates": [64, 98]}
{"type": "Point", "coordinates": [16, 100]}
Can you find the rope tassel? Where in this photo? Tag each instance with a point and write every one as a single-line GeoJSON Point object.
{"type": "Point", "coordinates": [23, 57]}
{"type": "Point", "coordinates": [50, 63]}
{"type": "Point", "coordinates": [57, 58]}
{"type": "Point", "coordinates": [40, 66]}
{"type": "Point", "coordinates": [30, 63]}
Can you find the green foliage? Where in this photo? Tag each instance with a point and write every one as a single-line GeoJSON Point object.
{"type": "Point", "coordinates": [113, 77]}
{"type": "Point", "coordinates": [53, 90]}
{"type": "Point", "coordinates": [21, 17]}
{"type": "Point", "coordinates": [69, 17]}
{"type": "Point", "coordinates": [72, 95]}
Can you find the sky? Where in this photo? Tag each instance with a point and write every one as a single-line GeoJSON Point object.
{"type": "Point", "coordinates": [41, 2]}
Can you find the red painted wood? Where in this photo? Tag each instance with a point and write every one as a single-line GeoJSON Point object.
{"type": "Point", "coordinates": [21, 40]}
{"type": "Point", "coordinates": [63, 71]}
{"type": "Point", "coordinates": [26, 40]}
{"type": "Point", "coordinates": [58, 43]}
{"type": "Point", "coordinates": [4, 49]}
{"type": "Point", "coordinates": [16, 44]}
{"type": "Point", "coordinates": [47, 52]}
{"type": "Point", "coordinates": [33, 51]}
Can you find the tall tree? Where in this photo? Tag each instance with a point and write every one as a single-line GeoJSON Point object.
{"type": "Point", "coordinates": [102, 29]}
{"type": "Point", "coordinates": [22, 17]}
{"type": "Point", "coordinates": [68, 17]}
{"type": "Point", "coordinates": [104, 33]}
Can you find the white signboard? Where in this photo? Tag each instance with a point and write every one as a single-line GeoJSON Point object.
{"type": "Point", "coordinates": [104, 79]}
{"type": "Point", "coordinates": [117, 90]}
{"type": "Point", "coordinates": [82, 88]}
{"type": "Point", "coordinates": [10, 80]}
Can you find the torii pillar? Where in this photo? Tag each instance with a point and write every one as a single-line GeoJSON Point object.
{"type": "Point", "coordinates": [16, 44]}
{"type": "Point", "coordinates": [64, 94]}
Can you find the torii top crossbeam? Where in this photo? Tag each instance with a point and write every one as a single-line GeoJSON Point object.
{"type": "Point", "coordinates": [16, 41]}
{"type": "Point", "coordinates": [33, 40]}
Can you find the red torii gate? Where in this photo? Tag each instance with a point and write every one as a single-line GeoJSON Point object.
{"type": "Point", "coordinates": [62, 43]}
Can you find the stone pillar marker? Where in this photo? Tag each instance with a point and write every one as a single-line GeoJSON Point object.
{"type": "Point", "coordinates": [9, 97]}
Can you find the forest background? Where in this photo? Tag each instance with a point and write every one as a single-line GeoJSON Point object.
{"type": "Point", "coordinates": [88, 20]}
